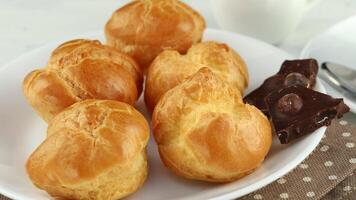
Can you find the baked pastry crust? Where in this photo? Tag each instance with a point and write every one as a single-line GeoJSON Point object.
{"type": "Point", "coordinates": [144, 28]}
{"type": "Point", "coordinates": [205, 132]}
{"type": "Point", "coordinates": [75, 51]}
{"type": "Point", "coordinates": [170, 68]}
{"type": "Point", "coordinates": [95, 149]}
{"type": "Point", "coordinates": [78, 70]}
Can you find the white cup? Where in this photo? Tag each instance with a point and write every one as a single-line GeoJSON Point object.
{"type": "Point", "coordinates": [268, 20]}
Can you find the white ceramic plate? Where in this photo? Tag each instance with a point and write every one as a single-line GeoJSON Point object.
{"type": "Point", "coordinates": [337, 44]}
{"type": "Point", "coordinates": [21, 131]}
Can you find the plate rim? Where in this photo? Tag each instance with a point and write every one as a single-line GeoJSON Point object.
{"type": "Point", "coordinates": [307, 49]}
{"type": "Point", "coordinates": [226, 195]}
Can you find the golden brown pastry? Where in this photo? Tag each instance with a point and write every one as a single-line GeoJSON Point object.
{"type": "Point", "coordinates": [170, 68]}
{"type": "Point", "coordinates": [95, 149]}
{"type": "Point", "coordinates": [74, 51]}
{"type": "Point", "coordinates": [78, 70]}
{"type": "Point", "coordinates": [205, 132]}
{"type": "Point", "coordinates": [144, 28]}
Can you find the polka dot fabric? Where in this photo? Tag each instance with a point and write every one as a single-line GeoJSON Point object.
{"type": "Point", "coordinates": [327, 174]}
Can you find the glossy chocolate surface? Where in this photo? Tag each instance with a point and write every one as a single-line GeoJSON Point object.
{"type": "Point", "coordinates": [290, 104]}
{"type": "Point", "coordinates": [292, 72]}
{"type": "Point", "coordinates": [296, 111]}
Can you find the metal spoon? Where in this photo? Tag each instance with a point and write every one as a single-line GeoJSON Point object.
{"type": "Point", "coordinates": [340, 77]}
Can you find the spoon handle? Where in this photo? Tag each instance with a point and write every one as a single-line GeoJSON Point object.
{"type": "Point", "coordinates": [331, 73]}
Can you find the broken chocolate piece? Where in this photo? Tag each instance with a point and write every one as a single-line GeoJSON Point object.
{"type": "Point", "coordinates": [296, 78]}
{"type": "Point", "coordinates": [290, 104]}
{"type": "Point", "coordinates": [307, 67]}
{"type": "Point", "coordinates": [292, 72]}
{"type": "Point", "coordinates": [296, 111]}
{"type": "Point", "coordinates": [257, 96]}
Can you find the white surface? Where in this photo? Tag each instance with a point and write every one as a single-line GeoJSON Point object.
{"type": "Point", "coordinates": [28, 24]}
{"type": "Point", "coordinates": [268, 20]}
{"type": "Point", "coordinates": [338, 45]}
{"type": "Point", "coordinates": [22, 131]}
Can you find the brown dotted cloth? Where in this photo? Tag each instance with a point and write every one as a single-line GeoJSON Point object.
{"type": "Point", "coordinates": [327, 174]}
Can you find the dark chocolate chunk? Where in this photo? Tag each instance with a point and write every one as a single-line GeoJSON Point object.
{"type": "Point", "coordinates": [292, 72]}
{"type": "Point", "coordinates": [306, 67]}
{"type": "Point", "coordinates": [296, 111]}
{"type": "Point", "coordinates": [257, 96]}
{"type": "Point", "coordinates": [290, 104]}
{"type": "Point", "coordinates": [296, 78]}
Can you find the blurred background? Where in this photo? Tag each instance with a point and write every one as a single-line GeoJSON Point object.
{"type": "Point", "coordinates": [28, 24]}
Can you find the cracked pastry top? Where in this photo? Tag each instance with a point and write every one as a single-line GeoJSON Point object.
{"type": "Point", "coordinates": [144, 28]}
{"type": "Point", "coordinates": [205, 132]}
{"type": "Point", "coordinates": [170, 68]}
{"type": "Point", "coordinates": [95, 149]}
{"type": "Point", "coordinates": [79, 70]}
